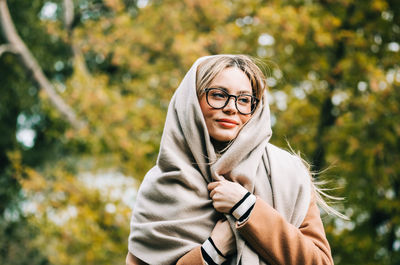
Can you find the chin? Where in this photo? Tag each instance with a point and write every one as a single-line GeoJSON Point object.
{"type": "Point", "coordinates": [224, 138]}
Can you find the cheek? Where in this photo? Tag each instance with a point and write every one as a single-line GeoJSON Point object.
{"type": "Point", "coordinates": [205, 108]}
{"type": "Point", "coordinates": [244, 118]}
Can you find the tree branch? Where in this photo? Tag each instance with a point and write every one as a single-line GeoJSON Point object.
{"type": "Point", "coordinates": [79, 60]}
{"type": "Point", "coordinates": [32, 65]}
{"type": "Point", "coordinates": [68, 14]}
{"type": "Point", "coordinates": [6, 48]}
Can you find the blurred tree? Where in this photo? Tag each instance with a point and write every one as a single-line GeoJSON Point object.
{"type": "Point", "coordinates": [334, 80]}
{"type": "Point", "coordinates": [22, 122]}
{"type": "Point", "coordinates": [342, 84]}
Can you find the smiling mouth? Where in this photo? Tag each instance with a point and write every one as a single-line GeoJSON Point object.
{"type": "Point", "coordinates": [226, 123]}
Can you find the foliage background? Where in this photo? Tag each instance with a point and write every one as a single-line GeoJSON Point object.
{"type": "Point", "coordinates": [334, 76]}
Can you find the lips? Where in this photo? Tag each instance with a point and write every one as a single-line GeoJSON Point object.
{"type": "Point", "coordinates": [227, 123]}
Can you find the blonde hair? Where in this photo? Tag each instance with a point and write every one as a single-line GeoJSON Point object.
{"type": "Point", "coordinates": [320, 192]}
{"type": "Point", "coordinates": [212, 66]}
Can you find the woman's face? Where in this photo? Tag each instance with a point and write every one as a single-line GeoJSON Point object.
{"type": "Point", "coordinates": [224, 124]}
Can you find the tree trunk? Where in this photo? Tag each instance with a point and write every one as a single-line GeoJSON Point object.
{"type": "Point", "coordinates": [30, 63]}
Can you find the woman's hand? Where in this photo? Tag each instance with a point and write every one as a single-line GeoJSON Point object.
{"type": "Point", "coordinates": [223, 237]}
{"type": "Point", "coordinates": [225, 194]}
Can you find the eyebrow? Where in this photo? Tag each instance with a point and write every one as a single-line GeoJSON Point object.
{"type": "Point", "coordinates": [239, 92]}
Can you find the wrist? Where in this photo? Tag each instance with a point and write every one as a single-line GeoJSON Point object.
{"type": "Point", "coordinates": [212, 254]}
{"type": "Point", "coordinates": [242, 209]}
{"type": "Point", "coordinates": [220, 245]}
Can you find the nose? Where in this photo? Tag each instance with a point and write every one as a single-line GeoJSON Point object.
{"type": "Point", "coordinates": [231, 105]}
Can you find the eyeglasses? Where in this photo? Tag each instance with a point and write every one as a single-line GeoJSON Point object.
{"type": "Point", "coordinates": [218, 98]}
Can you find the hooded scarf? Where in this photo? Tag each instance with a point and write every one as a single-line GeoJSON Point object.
{"type": "Point", "coordinates": [173, 212]}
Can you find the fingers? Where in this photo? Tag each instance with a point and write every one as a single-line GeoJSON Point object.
{"type": "Point", "coordinates": [212, 193]}
{"type": "Point", "coordinates": [212, 185]}
{"type": "Point", "coordinates": [225, 194]}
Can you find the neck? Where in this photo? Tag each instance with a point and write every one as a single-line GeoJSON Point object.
{"type": "Point", "coordinates": [219, 147]}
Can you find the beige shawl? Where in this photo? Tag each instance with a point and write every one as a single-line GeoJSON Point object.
{"type": "Point", "coordinates": [173, 212]}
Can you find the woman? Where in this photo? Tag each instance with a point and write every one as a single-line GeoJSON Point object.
{"type": "Point", "coordinates": [220, 192]}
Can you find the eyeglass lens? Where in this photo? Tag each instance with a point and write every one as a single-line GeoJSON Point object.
{"type": "Point", "coordinates": [218, 99]}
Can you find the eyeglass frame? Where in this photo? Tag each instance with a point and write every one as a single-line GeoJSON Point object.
{"type": "Point", "coordinates": [253, 99]}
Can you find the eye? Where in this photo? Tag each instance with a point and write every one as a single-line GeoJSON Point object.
{"type": "Point", "coordinates": [216, 94]}
{"type": "Point", "coordinates": [244, 100]}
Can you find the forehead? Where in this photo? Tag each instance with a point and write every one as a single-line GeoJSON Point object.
{"type": "Point", "coordinates": [233, 80]}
